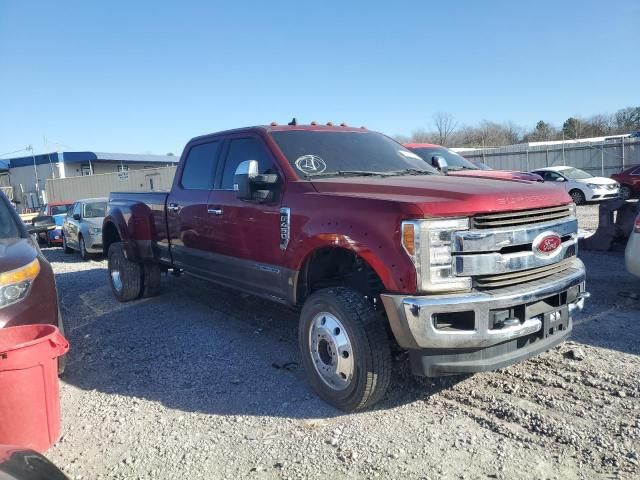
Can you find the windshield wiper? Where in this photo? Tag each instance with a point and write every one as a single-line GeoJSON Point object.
{"type": "Point", "coordinates": [347, 173]}
{"type": "Point", "coordinates": [410, 171]}
{"type": "Point", "coordinates": [461, 167]}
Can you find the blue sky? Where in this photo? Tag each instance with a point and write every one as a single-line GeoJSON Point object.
{"type": "Point", "coordinates": [137, 77]}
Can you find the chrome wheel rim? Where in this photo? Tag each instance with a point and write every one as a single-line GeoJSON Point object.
{"type": "Point", "coordinates": [331, 351]}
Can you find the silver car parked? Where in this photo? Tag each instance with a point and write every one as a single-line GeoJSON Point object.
{"type": "Point", "coordinates": [82, 228]}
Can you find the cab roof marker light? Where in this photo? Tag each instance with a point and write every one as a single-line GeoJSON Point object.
{"type": "Point", "coordinates": [274, 124]}
{"type": "Point", "coordinates": [329, 124]}
{"type": "Point", "coordinates": [343, 124]}
{"type": "Point", "coordinates": [314, 123]}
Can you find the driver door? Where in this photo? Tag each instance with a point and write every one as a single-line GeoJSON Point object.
{"type": "Point", "coordinates": [246, 235]}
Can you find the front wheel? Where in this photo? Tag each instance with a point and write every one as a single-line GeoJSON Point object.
{"type": "Point", "coordinates": [125, 276]}
{"type": "Point", "coordinates": [345, 348]}
{"type": "Point", "coordinates": [83, 250]}
{"type": "Point", "coordinates": [577, 196]}
{"type": "Point", "coordinates": [65, 247]}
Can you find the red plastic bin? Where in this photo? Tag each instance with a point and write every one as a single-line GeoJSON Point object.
{"type": "Point", "coordinates": [29, 392]}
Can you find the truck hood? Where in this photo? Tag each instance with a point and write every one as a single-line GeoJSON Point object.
{"type": "Point", "coordinates": [500, 174]}
{"type": "Point", "coordinates": [447, 195]}
{"type": "Point", "coordinates": [597, 181]}
{"type": "Point", "coordinates": [16, 253]}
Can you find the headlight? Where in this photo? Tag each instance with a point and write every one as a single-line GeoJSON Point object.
{"type": "Point", "coordinates": [95, 230]}
{"type": "Point", "coordinates": [593, 185]}
{"type": "Point", "coordinates": [573, 209]}
{"type": "Point", "coordinates": [15, 284]}
{"type": "Point", "coordinates": [428, 243]}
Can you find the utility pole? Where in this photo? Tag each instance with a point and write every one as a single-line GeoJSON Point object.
{"type": "Point", "coordinates": [35, 169]}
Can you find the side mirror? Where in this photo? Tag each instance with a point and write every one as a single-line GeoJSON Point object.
{"type": "Point", "coordinates": [560, 179]}
{"type": "Point", "coordinates": [41, 224]}
{"type": "Point", "coordinates": [243, 177]}
{"type": "Point", "coordinates": [76, 216]}
{"type": "Point", "coordinates": [440, 163]}
{"type": "Point", "coordinates": [246, 178]}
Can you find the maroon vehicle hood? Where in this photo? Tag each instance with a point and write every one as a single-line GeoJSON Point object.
{"type": "Point", "coordinates": [447, 195]}
{"type": "Point", "coordinates": [498, 174]}
{"type": "Point", "coordinates": [16, 253]}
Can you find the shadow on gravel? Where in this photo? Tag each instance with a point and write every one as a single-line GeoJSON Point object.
{"type": "Point", "coordinates": [197, 347]}
{"type": "Point", "coordinates": [611, 317]}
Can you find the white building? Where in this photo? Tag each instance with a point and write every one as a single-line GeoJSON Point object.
{"type": "Point", "coordinates": [28, 175]}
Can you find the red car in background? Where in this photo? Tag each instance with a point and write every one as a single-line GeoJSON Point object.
{"type": "Point", "coordinates": [629, 181]}
{"type": "Point", "coordinates": [453, 164]}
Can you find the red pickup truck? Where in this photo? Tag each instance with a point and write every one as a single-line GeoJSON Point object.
{"type": "Point", "coordinates": [373, 246]}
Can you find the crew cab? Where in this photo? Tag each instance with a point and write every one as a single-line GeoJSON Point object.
{"type": "Point", "coordinates": [450, 162]}
{"type": "Point", "coordinates": [372, 245]}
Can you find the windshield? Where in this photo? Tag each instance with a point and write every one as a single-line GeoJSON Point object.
{"type": "Point", "coordinates": [8, 227]}
{"type": "Point", "coordinates": [328, 153]}
{"type": "Point", "coordinates": [59, 209]}
{"type": "Point", "coordinates": [575, 174]}
{"type": "Point", "coordinates": [94, 209]}
{"type": "Point", "coordinates": [454, 161]}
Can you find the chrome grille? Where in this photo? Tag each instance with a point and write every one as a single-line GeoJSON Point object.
{"type": "Point", "coordinates": [522, 276]}
{"type": "Point", "coordinates": [522, 217]}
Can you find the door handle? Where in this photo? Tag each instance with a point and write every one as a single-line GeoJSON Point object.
{"type": "Point", "coordinates": [174, 207]}
{"type": "Point", "coordinates": [214, 211]}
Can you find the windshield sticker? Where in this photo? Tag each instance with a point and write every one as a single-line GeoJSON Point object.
{"type": "Point", "coordinates": [310, 164]}
{"type": "Point", "coordinates": [408, 154]}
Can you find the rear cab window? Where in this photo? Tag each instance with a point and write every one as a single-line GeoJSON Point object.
{"type": "Point", "coordinates": [200, 166]}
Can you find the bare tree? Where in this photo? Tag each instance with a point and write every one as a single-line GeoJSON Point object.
{"type": "Point", "coordinates": [422, 136]}
{"type": "Point", "coordinates": [445, 126]}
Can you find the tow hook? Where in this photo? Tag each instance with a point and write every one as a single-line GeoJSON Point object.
{"type": "Point", "coordinates": [578, 303]}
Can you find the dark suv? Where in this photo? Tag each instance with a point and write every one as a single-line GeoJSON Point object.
{"type": "Point", "coordinates": [27, 285]}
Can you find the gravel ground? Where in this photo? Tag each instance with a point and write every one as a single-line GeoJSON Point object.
{"type": "Point", "coordinates": [202, 382]}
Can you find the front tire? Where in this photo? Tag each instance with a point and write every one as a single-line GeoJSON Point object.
{"type": "Point", "coordinates": [125, 276]}
{"type": "Point", "coordinates": [577, 196]}
{"type": "Point", "coordinates": [83, 250]}
{"type": "Point", "coordinates": [345, 348]}
{"type": "Point", "coordinates": [65, 247]}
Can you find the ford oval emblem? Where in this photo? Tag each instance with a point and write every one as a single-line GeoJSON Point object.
{"type": "Point", "coordinates": [547, 244]}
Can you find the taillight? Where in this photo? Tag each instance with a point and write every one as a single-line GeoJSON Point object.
{"type": "Point", "coordinates": [636, 225]}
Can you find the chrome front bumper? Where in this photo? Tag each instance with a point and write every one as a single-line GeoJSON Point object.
{"type": "Point", "coordinates": [412, 317]}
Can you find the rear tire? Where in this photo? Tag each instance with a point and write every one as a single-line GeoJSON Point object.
{"type": "Point", "coordinates": [151, 280]}
{"type": "Point", "coordinates": [348, 369]}
{"type": "Point", "coordinates": [625, 192]}
{"type": "Point", "coordinates": [125, 276]}
{"type": "Point", "coordinates": [577, 196]}
{"type": "Point", "coordinates": [64, 245]}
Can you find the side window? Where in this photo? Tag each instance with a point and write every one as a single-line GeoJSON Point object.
{"type": "Point", "coordinates": [636, 171]}
{"type": "Point", "coordinates": [76, 208]}
{"type": "Point", "coordinates": [200, 166]}
{"type": "Point", "coordinates": [242, 149]}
